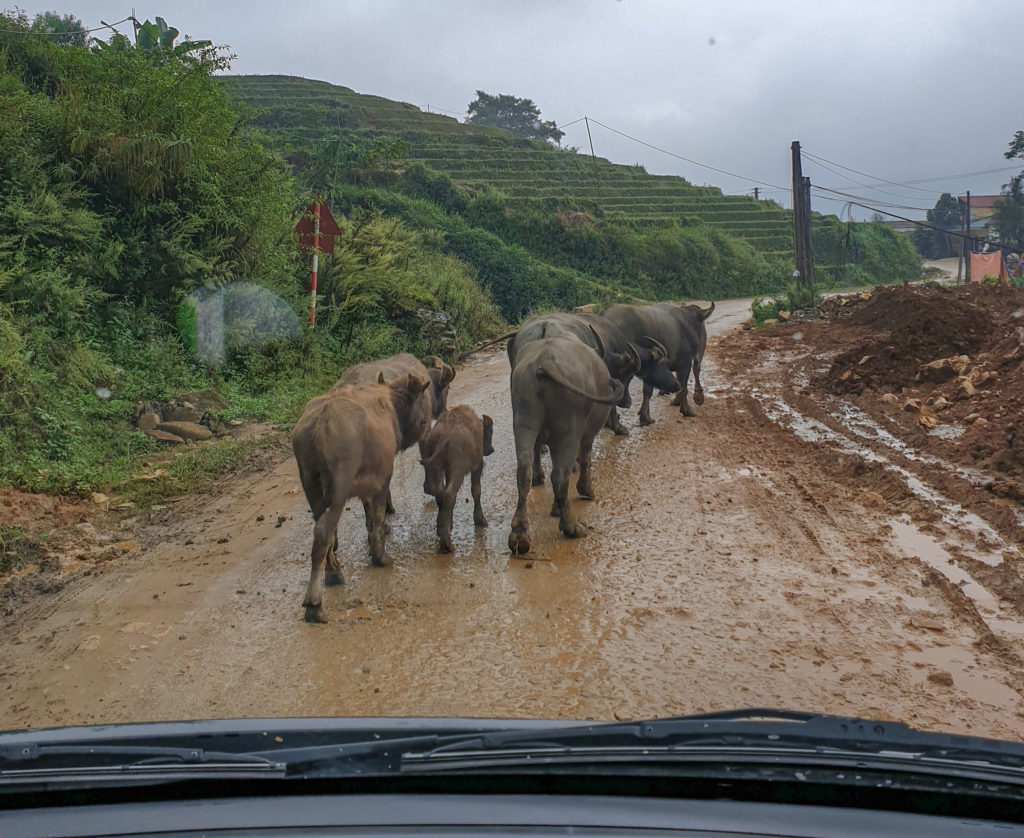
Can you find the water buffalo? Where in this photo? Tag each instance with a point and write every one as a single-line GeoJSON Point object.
{"type": "Point", "coordinates": [654, 365]}
{"type": "Point", "coordinates": [561, 392]}
{"type": "Point", "coordinates": [454, 447]}
{"type": "Point", "coordinates": [431, 369]}
{"type": "Point", "coordinates": [680, 330]}
{"type": "Point", "coordinates": [345, 444]}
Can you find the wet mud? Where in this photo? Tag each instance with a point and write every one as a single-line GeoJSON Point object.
{"type": "Point", "coordinates": [772, 551]}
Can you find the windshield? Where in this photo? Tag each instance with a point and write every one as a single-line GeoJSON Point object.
{"type": "Point", "coordinates": [583, 361]}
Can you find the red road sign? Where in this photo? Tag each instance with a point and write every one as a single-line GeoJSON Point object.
{"type": "Point", "coordinates": [328, 228]}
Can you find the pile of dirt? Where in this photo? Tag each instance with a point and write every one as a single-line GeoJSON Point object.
{"type": "Point", "coordinates": [944, 356]}
{"type": "Point", "coordinates": [917, 325]}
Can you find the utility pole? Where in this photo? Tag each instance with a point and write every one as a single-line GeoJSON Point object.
{"type": "Point", "coordinates": [586, 121]}
{"type": "Point", "coordinates": [969, 241]}
{"type": "Point", "coordinates": [963, 244]}
{"type": "Point", "coordinates": [756, 192]}
{"type": "Point", "coordinates": [802, 222]}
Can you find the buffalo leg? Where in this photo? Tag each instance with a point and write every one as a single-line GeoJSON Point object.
{"type": "Point", "coordinates": [683, 376]}
{"type": "Point", "coordinates": [445, 508]}
{"type": "Point", "coordinates": [479, 520]}
{"type": "Point", "coordinates": [561, 467]}
{"type": "Point", "coordinates": [698, 391]}
{"type": "Point", "coordinates": [645, 405]}
{"type": "Point", "coordinates": [374, 509]}
{"type": "Point", "coordinates": [615, 424]}
{"type": "Point", "coordinates": [538, 467]}
{"type": "Point", "coordinates": [323, 539]}
{"type": "Point", "coordinates": [333, 575]}
{"type": "Point", "coordinates": [519, 537]}
{"type": "Point", "coordinates": [585, 485]}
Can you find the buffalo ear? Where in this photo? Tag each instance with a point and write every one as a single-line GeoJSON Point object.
{"type": "Point", "coordinates": [488, 435]}
{"type": "Point", "coordinates": [381, 379]}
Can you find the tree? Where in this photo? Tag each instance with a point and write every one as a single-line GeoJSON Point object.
{"type": "Point", "coordinates": [936, 244]}
{"type": "Point", "coordinates": [1008, 218]}
{"type": "Point", "coordinates": [68, 29]}
{"type": "Point", "coordinates": [521, 117]}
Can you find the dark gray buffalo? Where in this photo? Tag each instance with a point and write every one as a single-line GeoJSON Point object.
{"type": "Point", "coordinates": [681, 331]}
{"type": "Point", "coordinates": [561, 393]}
{"type": "Point", "coordinates": [625, 359]}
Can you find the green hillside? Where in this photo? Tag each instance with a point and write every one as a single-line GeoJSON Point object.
{"type": "Point", "coordinates": [526, 172]}
{"type": "Point", "coordinates": [526, 181]}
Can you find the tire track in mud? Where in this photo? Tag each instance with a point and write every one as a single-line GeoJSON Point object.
{"type": "Point", "coordinates": [730, 564]}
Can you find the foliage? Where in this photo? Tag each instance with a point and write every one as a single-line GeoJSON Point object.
{"type": "Point", "coordinates": [796, 298]}
{"type": "Point", "coordinates": [935, 244]}
{"type": "Point", "coordinates": [69, 31]}
{"type": "Point", "coordinates": [521, 117]}
{"type": "Point", "coordinates": [1008, 218]}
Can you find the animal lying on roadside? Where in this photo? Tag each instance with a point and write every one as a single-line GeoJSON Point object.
{"type": "Point", "coordinates": [431, 369]}
{"type": "Point", "coordinates": [454, 447]}
{"type": "Point", "coordinates": [561, 394]}
{"type": "Point", "coordinates": [345, 445]}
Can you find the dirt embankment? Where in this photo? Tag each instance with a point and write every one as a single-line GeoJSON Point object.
{"type": "Point", "coordinates": [789, 547]}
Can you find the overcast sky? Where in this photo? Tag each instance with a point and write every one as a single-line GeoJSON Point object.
{"type": "Point", "coordinates": [898, 89]}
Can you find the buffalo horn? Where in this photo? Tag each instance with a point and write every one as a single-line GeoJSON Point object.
{"type": "Point", "coordinates": [656, 344]}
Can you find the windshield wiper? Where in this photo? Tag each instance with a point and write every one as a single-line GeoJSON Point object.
{"type": "Point", "coordinates": [32, 762]}
{"type": "Point", "coordinates": [758, 739]}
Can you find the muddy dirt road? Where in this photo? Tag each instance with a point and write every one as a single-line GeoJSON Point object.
{"type": "Point", "coordinates": [735, 560]}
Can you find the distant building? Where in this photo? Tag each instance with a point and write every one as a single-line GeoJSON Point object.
{"type": "Point", "coordinates": [983, 208]}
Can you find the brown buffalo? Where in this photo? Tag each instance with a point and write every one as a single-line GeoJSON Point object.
{"type": "Point", "coordinates": [456, 446]}
{"type": "Point", "coordinates": [345, 444]}
{"type": "Point", "coordinates": [431, 369]}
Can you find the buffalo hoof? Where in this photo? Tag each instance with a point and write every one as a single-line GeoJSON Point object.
{"type": "Point", "coordinates": [333, 578]}
{"type": "Point", "coordinates": [620, 430]}
{"type": "Point", "coordinates": [556, 511]}
{"type": "Point", "coordinates": [698, 397]}
{"type": "Point", "coordinates": [579, 531]}
{"type": "Point", "coordinates": [538, 479]}
{"type": "Point", "coordinates": [519, 542]}
{"type": "Point", "coordinates": [686, 410]}
{"type": "Point", "coordinates": [380, 561]}
{"type": "Point", "coordinates": [646, 420]}
{"type": "Point", "coordinates": [445, 546]}
{"type": "Point", "coordinates": [315, 614]}
{"type": "Point", "coordinates": [677, 400]}
{"type": "Point", "coordinates": [389, 508]}
{"type": "Point", "coordinates": [585, 492]}
{"type": "Point", "coordinates": [479, 520]}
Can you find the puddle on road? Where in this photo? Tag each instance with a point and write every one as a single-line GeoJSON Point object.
{"type": "Point", "coordinates": [953, 514]}
{"type": "Point", "coordinates": [913, 543]}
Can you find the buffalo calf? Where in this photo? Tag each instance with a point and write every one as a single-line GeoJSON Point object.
{"type": "Point", "coordinates": [456, 446]}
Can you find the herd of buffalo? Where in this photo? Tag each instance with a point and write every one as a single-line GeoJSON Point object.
{"type": "Point", "coordinates": [570, 373]}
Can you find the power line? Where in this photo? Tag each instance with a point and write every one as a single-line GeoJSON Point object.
{"type": "Point", "coordinates": [69, 32]}
{"type": "Point", "coordinates": [687, 159]}
{"type": "Point", "coordinates": [865, 174]}
{"type": "Point", "coordinates": [859, 184]}
{"type": "Point", "coordinates": [869, 200]}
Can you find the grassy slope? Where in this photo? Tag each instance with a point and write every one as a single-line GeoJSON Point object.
{"type": "Point", "coordinates": [527, 172]}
